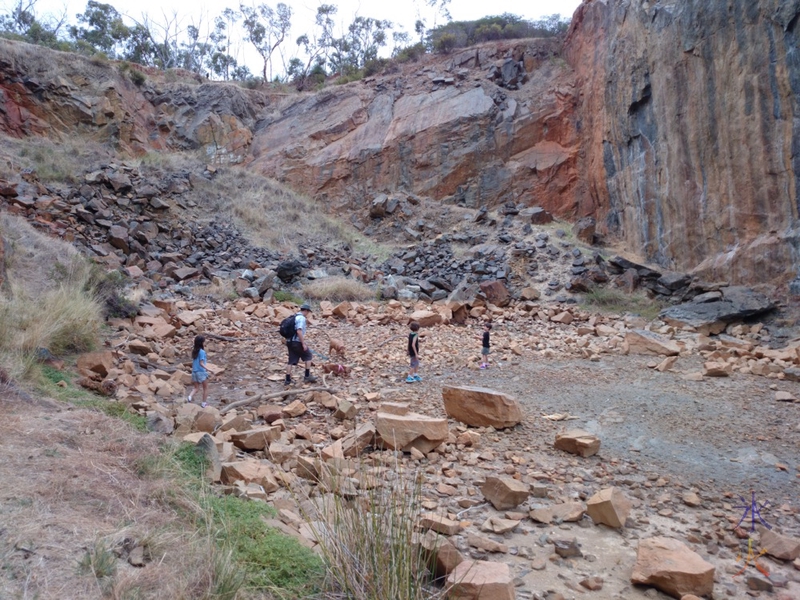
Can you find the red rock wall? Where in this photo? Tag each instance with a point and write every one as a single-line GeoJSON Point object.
{"type": "Point", "coordinates": [690, 128]}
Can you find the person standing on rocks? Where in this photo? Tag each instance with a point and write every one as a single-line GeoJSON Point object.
{"type": "Point", "coordinates": [486, 347]}
{"type": "Point", "coordinates": [199, 371]}
{"type": "Point", "coordinates": [413, 353]}
{"type": "Point", "coordinates": [298, 349]}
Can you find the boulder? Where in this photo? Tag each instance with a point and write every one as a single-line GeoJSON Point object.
{"type": "Point", "coordinates": [505, 492]}
{"type": "Point", "coordinates": [495, 292]}
{"type": "Point", "coordinates": [354, 443]}
{"type": "Point", "coordinates": [426, 318]}
{"type": "Point", "coordinates": [411, 430]}
{"type": "Point", "coordinates": [256, 439]}
{"type": "Point", "coordinates": [609, 507]}
{"type": "Point", "coordinates": [577, 441]}
{"type": "Point", "coordinates": [481, 580]}
{"type": "Point", "coordinates": [438, 523]}
{"type": "Point", "coordinates": [670, 566]}
{"type": "Point", "coordinates": [481, 407]}
{"type": "Point", "coordinates": [444, 556]}
{"type": "Point", "coordinates": [377, 209]}
{"type": "Point", "coordinates": [711, 314]}
{"type": "Point", "coordinates": [641, 341]}
{"type": "Point", "coordinates": [184, 273]}
{"type": "Point", "coordinates": [569, 512]}
{"type": "Point", "coordinates": [207, 448]}
{"type": "Point", "coordinates": [780, 546]}
{"type": "Point", "coordinates": [584, 230]}
{"type": "Point", "coordinates": [96, 362]}
{"type": "Point", "coordinates": [536, 215]}
{"type": "Point", "coordinates": [464, 294]}
{"type": "Point", "coordinates": [249, 471]}
{"type": "Point", "coordinates": [289, 270]}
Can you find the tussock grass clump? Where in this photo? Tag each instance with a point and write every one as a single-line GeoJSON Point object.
{"type": "Point", "coordinates": [367, 538]}
{"type": "Point", "coordinates": [338, 289]}
{"type": "Point", "coordinates": [45, 301]}
{"type": "Point", "coordinates": [611, 300]}
{"type": "Point", "coordinates": [52, 161]}
{"type": "Point", "coordinates": [274, 216]}
{"type": "Point", "coordinates": [99, 561]}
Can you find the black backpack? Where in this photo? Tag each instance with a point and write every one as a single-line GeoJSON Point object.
{"type": "Point", "coordinates": [287, 328]}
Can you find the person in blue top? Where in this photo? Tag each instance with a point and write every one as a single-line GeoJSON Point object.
{"type": "Point", "coordinates": [199, 371]}
{"type": "Point", "coordinates": [298, 349]}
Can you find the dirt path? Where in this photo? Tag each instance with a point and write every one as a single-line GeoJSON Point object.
{"type": "Point", "coordinates": [727, 433]}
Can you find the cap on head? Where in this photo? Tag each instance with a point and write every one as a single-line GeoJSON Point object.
{"type": "Point", "coordinates": [306, 306]}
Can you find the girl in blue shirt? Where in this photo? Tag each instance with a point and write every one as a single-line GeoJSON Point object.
{"type": "Point", "coordinates": [199, 372]}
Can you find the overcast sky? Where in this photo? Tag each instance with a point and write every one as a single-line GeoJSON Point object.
{"type": "Point", "coordinates": [403, 13]}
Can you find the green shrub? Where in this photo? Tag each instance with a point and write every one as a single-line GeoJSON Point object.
{"type": "Point", "coordinates": [284, 296]}
{"type": "Point", "coordinates": [410, 53]}
{"type": "Point", "coordinates": [445, 43]}
{"type": "Point", "coordinates": [137, 77]}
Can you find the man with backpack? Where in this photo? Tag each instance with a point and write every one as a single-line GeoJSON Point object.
{"type": "Point", "coordinates": [294, 330]}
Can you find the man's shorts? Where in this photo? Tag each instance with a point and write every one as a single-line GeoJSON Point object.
{"type": "Point", "coordinates": [296, 353]}
{"type": "Point", "coordinates": [414, 362]}
{"type": "Point", "coordinates": [199, 376]}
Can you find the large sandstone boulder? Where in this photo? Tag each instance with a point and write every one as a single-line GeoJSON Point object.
{"type": "Point", "coordinates": [641, 341]}
{"type": "Point", "coordinates": [780, 546]}
{"type": "Point", "coordinates": [426, 318]}
{"type": "Point", "coordinates": [712, 313]}
{"type": "Point", "coordinates": [258, 438]}
{"type": "Point", "coordinates": [609, 507]}
{"type": "Point", "coordinates": [481, 580]}
{"type": "Point", "coordinates": [495, 292]}
{"type": "Point", "coordinates": [504, 492]}
{"type": "Point", "coordinates": [444, 556]}
{"type": "Point", "coordinates": [673, 568]}
{"type": "Point", "coordinates": [577, 441]}
{"type": "Point", "coordinates": [481, 407]}
{"type": "Point", "coordinates": [411, 430]}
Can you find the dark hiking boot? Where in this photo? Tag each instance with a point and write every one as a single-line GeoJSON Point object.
{"type": "Point", "coordinates": [309, 379]}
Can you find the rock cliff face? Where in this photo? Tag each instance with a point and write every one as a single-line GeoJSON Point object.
{"type": "Point", "coordinates": [443, 131]}
{"type": "Point", "coordinates": [676, 124]}
{"type": "Point", "coordinates": [689, 113]}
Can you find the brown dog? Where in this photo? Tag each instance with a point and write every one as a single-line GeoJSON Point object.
{"type": "Point", "coordinates": [337, 346]}
{"type": "Point", "coordinates": [334, 369]}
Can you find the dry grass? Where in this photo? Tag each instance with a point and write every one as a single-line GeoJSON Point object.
{"type": "Point", "coordinates": [338, 289]}
{"type": "Point", "coordinates": [45, 302]}
{"type": "Point", "coordinates": [73, 497]}
{"type": "Point", "coordinates": [275, 217]}
{"type": "Point", "coordinates": [52, 161]}
{"type": "Point", "coordinates": [615, 301]}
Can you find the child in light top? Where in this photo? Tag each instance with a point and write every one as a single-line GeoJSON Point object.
{"type": "Point", "coordinates": [199, 371]}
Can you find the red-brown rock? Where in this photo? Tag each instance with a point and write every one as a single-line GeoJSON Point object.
{"type": "Point", "coordinates": [481, 580]}
{"type": "Point", "coordinates": [673, 568]}
{"type": "Point", "coordinates": [481, 407]}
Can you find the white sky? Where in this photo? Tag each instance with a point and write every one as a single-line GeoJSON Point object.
{"type": "Point", "coordinates": [403, 13]}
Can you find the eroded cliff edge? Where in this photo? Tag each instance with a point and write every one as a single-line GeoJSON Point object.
{"type": "Point", "coordinates": [689, 113]}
